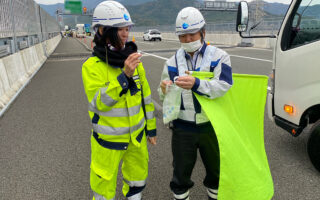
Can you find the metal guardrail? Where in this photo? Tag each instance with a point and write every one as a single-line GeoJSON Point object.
{"type": "Point", "coordinates": [4, 50]}
{"type": "Point", "coordinates": [24, 23]}
{"type": "Point", "coordinates": [23, 45]}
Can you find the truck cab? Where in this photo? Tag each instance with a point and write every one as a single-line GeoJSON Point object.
{"type": "Point", "coordinates": [294, 96]}
{"type": "Point", "coordinates": [80, 31]}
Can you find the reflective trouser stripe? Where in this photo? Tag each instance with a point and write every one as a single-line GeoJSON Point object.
{"type": "Point", "coordinates": [109, 130]}
{"type": "Point", "coordinates": [150, 115]}
{"type": "Point", "coordinates": [135, 189]}
{"type": "Point", "coordinates": [136, 183]}
{"type": "Point", "coordinates": [184, 196]}
{"type": "Point", "coordinates": [212, 193]}
{"type": "Point", "coordinates": [135, 197]}
{"type": "Point", "coordinates": [97, 196]}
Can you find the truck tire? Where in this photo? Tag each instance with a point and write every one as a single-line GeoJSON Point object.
{"type": "Point", "coordinates": [313, 145]}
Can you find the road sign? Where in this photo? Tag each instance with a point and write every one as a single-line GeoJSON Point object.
{"type": "Point", "coordinates": [73, 6]}
{"type": "Point", "coordinates": [87, 28]}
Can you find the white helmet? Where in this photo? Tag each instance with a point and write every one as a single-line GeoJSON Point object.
{"type": "Point", "coordinates": [111, 13]}
{"type": "Point", "coordinates": [189, 20]}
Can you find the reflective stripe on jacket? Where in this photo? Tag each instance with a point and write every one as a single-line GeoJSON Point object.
{"type": "Point", "coordinates": [114, 108]}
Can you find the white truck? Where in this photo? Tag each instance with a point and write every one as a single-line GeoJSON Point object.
{"type": "Point", "coordinates": [80, 31]}
{"type": "Point", "coordinates": [294, 98]}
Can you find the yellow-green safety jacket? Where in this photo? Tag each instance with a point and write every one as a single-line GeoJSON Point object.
{"type": "Point", "coordinates": [115, 109]}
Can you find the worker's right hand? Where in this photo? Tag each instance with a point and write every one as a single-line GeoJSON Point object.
{"type": "Point", "coordinates": [164, 85]}
{"type": "Point", "coordinates": [131, 63]}
{"type": "Point", "coordinates": [152, 140]}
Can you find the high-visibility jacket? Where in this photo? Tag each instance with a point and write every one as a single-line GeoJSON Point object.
{"type": "Point", "coordinates": [115, 109]}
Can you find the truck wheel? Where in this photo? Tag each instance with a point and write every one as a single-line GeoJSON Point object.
{"type": "Point", "coordinates": [313, 145]}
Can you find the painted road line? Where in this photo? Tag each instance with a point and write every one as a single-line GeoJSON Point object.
{"type": "Point", "coordinates": [149, 54]}
{"type": "Point", "coordinates": [152, 44]}
{"type": "Point", "coordinates": [254, 48]}
{"type": "Point", "coordinates": [264, 60]}
{"type": "Point", "coordinates": [67, 59]}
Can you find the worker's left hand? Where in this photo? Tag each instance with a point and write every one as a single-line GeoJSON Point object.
{"type": "Point", "coordinates": [185, 82]}
{"type": "Point", "coordinates": [152, 140]}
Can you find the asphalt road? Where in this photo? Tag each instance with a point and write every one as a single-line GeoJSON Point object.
{"type": "Point", "coordinates": [44, 135]}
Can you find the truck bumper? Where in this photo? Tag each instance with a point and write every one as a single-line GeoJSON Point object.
{"type": "Point", "coordinates": [293, 129]}
{"type": "Point", "coordinates": [269, 106]}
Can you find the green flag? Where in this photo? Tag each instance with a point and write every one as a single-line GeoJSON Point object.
{"type": "Point", "coordinates": [237, 118]}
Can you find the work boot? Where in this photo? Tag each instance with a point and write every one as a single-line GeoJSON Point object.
{"type": "Point", "coordinates": [184, 196]}
{"type": "Point", "coordinates": [212, 194]}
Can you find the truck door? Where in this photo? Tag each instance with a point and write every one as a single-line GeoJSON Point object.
{"type": "Point", "coordinates": [297, 68]}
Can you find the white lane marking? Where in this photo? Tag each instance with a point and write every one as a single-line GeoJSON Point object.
{"type": "Point", "coordinates": [145, 42]}
{"type": "Point", "coordinates": [149, 54]}
{"type": "Point", "coordinates": [163, 58]}
{"type": "Point", "coordinates": [259, 59]}
{"type": "Point", "coordinates": [65, 59]}
{"type": "Point", "coordinates": [253, 48]}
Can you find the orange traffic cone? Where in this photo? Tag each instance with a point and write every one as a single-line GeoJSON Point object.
{"type": "Point", "coordinates": [133, 39]}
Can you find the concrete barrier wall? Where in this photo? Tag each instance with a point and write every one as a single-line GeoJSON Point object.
{"type": "Point", "coordinates": [222, 39]}
{"type": "Point", "coordinates": [17, 69]}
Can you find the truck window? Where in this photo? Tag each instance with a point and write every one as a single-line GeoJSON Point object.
{"type": "Point", "coordinates": [305, 24]}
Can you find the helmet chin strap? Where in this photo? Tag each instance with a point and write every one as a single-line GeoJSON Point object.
{"type": "Point", "coordinates": [202, 35]}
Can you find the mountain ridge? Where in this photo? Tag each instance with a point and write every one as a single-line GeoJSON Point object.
{"type": "Point", "coordinates": [163, 12]}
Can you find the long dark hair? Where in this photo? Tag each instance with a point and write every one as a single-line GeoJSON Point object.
{"type": "Point", "coordinates": [109, 35]}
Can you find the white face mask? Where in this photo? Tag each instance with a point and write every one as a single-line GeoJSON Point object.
{"type": "Point", "coordinates": [191, 46]}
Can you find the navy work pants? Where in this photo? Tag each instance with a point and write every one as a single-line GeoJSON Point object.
{"type": "Point", "coordinates": [187, 138]}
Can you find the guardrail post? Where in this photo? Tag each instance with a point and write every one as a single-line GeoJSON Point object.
{"type": "Point", "coordinates": [14, 46]}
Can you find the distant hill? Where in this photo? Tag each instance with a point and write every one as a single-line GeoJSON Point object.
{"type": "Point", "coordinates": [90, 4]}
{"type": "Point", "coordinates": [313, 11]}
{"type": "Point", "coordinates": [276, 8]}
{"type": "Point", "coordinates": [157, 12]}
{"type": "Point", "coordinates": [51, 9]}
{"type": "Point", "coordinates": [164, 12]}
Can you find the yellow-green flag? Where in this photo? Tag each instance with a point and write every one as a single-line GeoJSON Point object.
{"type": "Point", "coordinates": [237, 118]}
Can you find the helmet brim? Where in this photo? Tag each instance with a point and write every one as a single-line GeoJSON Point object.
{"type": "Point", "coordinates": [119, 25]}
{"type": "Point", "coordinates": [191, 31]}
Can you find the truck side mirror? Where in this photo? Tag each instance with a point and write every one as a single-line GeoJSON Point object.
{"type": "Point", "coordinates": [242, 17]}
{"type": "Point", "coordinates": [296, 21]}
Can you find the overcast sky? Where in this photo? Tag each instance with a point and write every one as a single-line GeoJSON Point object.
{"type": "Point", "coordinates": [62, 1]}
